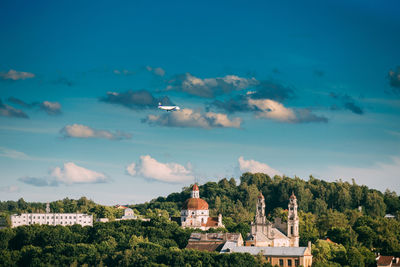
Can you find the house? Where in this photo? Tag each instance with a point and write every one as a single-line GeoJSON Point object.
{"type": "Point", "coordinates": [387, 261]}
{"type": "Point", "coordinates": [213, 241]}
{"type": "Point", "coordinates": [51, 218]}
{"type": "Point", "coordinates": [103, 220]}
{"type": "Point", "coordinates": [281, 256]}
{"type": "Point", "coordinates": [120, 207]}
{"type": "Point", "coordinates": [129, 214]}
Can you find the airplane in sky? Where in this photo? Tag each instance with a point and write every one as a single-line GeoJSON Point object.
{"type": "Point", "coordinates": [168, 108]}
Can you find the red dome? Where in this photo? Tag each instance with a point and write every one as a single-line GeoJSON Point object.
{"type": "Point", "coordinates": [195, 204]}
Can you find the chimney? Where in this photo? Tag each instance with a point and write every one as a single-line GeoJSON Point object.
{"type": "Point", "coordinates": [309, 245]}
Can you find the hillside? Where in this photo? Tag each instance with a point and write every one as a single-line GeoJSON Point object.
{"type": "Point", "coordinates": [329, 213]}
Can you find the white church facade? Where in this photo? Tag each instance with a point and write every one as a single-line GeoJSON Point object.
{"type": "Point", "coordinates": [195, 213]}
{"type": "Point", "coordinates": [278, 234]}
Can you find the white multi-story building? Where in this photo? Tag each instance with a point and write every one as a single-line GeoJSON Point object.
{"type": "Point", "coordinates": [51, 218]}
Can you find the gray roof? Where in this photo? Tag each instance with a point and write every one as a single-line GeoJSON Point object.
{"type": "Point", "coordinates": [390, 216]}
{"type": "Point", "coordinates": [230, 247]}
{"type": "Point", "coordinates": [214, 237]}
{"type": "Point", "coordinates": [260, 236]}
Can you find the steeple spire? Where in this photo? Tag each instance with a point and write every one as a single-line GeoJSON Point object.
{"type": "Point", "coordinates": [293, 222]}
{"type": "Point", "coordinates": [195, 191]}
{"type": "Point", "coordinates": [260, 212]}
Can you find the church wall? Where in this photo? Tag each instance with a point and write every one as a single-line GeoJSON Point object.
{"type": "Point", "coordinates": [305, 261]}
{"type": "Point", "coordinates": [282, 226]}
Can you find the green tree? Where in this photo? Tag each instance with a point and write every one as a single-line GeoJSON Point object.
{"type": "Point", "coordinates": [392, 201]}
{"type": "Point", "coordinates": [375, 205]}
{"type": "Point", "coordinates": [355, 258]}
{"type": "Point", "coordinates": [308, 228]}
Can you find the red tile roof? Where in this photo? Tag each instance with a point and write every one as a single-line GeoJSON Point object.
{"type": "Point", "coordinates": [212, 222]}
{"type": "Point", "coordinates": [195, 204]}
{"type": "Point", "coordinates": [385, 260]}
{"type": "Point", "coordinates": [329, 241]}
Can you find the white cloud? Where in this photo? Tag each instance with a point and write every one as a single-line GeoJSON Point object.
{"type": "Point", "coordinates": [150, 168]}
{"type": "Point", "coordinates": [255, 167]}
{"type": "Point", "coordinates": [124, 72]}
{"type": "Point", "coordinates": [9, 111]}
{"type": "Point", "coordinates": [83, 131]}
{"type": "Point", "coordinates": [191, 118]}
{"type": "Point", "coordinates": [157, 71]}
{"type": "Point", "coordinates": [130, 169]}
{"type": "Point", "coordinates": [13, 154]}
{"type": "Point", "coordinates": [74, 174]}
{"type": "Point", "coordinates": [16, 75]}
{"type": "Point", "coordinates": [68, 174]}
{"type": "Point", "coordinates": [51, 108]}
{"type": "Point", "coordinates": [270, 109]}
{"type": "Point", "coordinates": [9, 189]}
{"type": "Point", "coordinates": [210, 87]}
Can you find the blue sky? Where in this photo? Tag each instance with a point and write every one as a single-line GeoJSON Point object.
{"type": "Point", "coordinates": [278, 87]}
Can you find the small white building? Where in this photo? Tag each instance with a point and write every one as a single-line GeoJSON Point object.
{"type": "Point", "coordinates": [129, 214]}
{"type": "Point", "coordinates": [103, 220]}
{"type": "Point", "coordinates": [51, 218]}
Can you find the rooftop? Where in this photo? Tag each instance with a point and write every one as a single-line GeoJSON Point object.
{"type": "Point", "coordinates": [385, 260]}
{"type": "Point", "coordinates": [266, 251]}
{"type": "Point", "coordinates": [195, 204]}
{"type": "Point", "coordinates": [195, 237]}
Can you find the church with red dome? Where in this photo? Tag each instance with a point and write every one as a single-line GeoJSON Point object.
{"type": "Point", "coordinates": [195, 214]}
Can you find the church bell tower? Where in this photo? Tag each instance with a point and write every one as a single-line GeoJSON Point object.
{"type": "Point", "coordinates": [293, 222]}
{"type": "Point", "coordinates": [260, 213]}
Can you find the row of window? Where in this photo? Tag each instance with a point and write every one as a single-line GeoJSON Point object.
{"type": "Point", "coordinates": [52, 217]}
{"type": "Point", "coordinates": [289, 262]}
{"type": "Point", "coordinates": [186, 212]}
{"type": "Point", "coordinates": [23, 221]}
{"type": "Point", "coordinates": [15, 223]}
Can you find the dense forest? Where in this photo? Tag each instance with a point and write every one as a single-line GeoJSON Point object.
{"type": "Point", "coordinates": [344, 221]}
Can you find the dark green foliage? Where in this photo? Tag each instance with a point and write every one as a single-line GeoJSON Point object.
{"type": "Point", "coordinates": [326, 210]}
{"type": "Point", "coordinates": [122, 243]}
